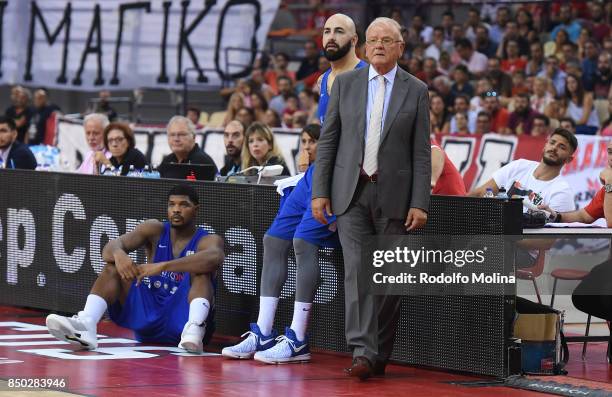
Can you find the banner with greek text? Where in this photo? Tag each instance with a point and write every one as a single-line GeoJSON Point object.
{"type": "Point", "coordinates": [121, 44]}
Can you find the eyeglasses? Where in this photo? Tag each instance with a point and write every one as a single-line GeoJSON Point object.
{"type": "Point", "coordinates": [386, 41]}
{"type": "Point", "coordinates": [179, 135]}
{"type": "Point", "coordinates": [490, 94]}
{"type": "Point", "coordinates": [116, 140]}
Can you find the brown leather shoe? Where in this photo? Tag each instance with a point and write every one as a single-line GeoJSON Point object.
{"type": "Point", "coordinates": [378, 369]}
{"type": "Point", "coordinates": [361, 368]}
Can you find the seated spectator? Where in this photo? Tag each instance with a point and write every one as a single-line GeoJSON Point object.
{"type": "Point", "coordinates": [567, 24]}
{"type": "Point", "coordinates": [535, 64]}
{"type": "Point", "coordinates": [181, 140]}
{"type": "Point", "coordinates": [308, 103]}
{"type": "Point", "coordinates": [483, 86]}
{"type": "Point", "coordinates": [462, 105]}
{"type": "Point", "coordinates": [472, 23]}
{"type": "Point", "coordinates": [448, 20]}
{"type": "Point", "coordinates": [292, 106]}
{"type": "Point", "coordinates": [271, 119]}
{"type": "Point", "coordinates": [235, 103]}
{"type": "Point", "coordinates": [483, 123]}
{"type": "Point", "coordinates": [94, 125]}
{"type": "Point", "coordinates": [483, 43]}
{"type": "Point", "coordinates": [259, 105]}
{"type": "Point", "coordinates": [438, 116]}
{"type": "Point", "coordinates": [541, 182]}
{"type": "Point", "coordinates": [461, 123]}
{"type": "Point", "coordinates": [285, 87]}
{"type": "Point", "coordinates": [429, 72]}
{"type": "Point", "coordinates": [443, 86]}
{"type": "Point", "coordinates": [259, 148]}
{"type": "Point", "coordinates": [519, 83]}
{"type": "Point", "coordinates": [567, 123]}
{"type": "Point", "coordinates": [246, 116]}
{"type": "Point", "coordinates": [21, 112]}
{"type": "Point", "coordinates": [600, 27]}
{"type": "Point", "coordinates": [502, 82]}
{"type": "Point", "coordinates": [14, 154]}
{"type": "Point", "coordinates": [444, 64]}
{"type": "Point", "coordinates": [419, 32]}
{"type": "Point", "coordinates": [512, 61]}
{"type": "Point", "coordinates": [540, 126]}
{"type": "Point", "coordinates": [233, 138]}
{"type": "Point", "coordinates": [281, 62]}
{"type": "Point", "coordinates": [556, 75]}
{"type": "Point", "coordinates": [316, 21]}
{"type": "Point", "coordinates": [525, 28]}
{"type": "Point", "coordinates": [462, 84]}
{"type": "Point", "coordinates": [308, 146]}
{"type": "Point", "coordinates": [511, 32]}
{"type": "Point", "coordinates": [103, 106]}
{"type": "Point", "coordinates": [193, 114]}
{"type": "Point", "coordinates": [310, 63]}
{"type": "Point", "coordinates": [502, 16]}
{"type": "Point", "coordinates": [570, 56]}
{"type": "Point", "coordinates": [555, 47]}
{"type": "Point", "coordinates": [258, 83]}
{"type": "Point", "coordinates": [521, 119]}
{"type": "Point", "coordinates": [476, 62]}
{"type": "Point", "coordinates": [585, 36]}
{"type": "Point", "coordinates": [499, 115]}
{"type": "Point", "coordinates": [438, 44]}
{"type": "Point", "coordinates": [606, 126]}
{"type": "Point", "coordinates": [542, 98]}
{"type": "Point", "coordinates": [578, 105]}
{"type": "Point", "coordinates": [311, 80]}
{"type": "Point", "coordinates": [603, 76]}
{"type": "Point", "coordinates": [119, 140]}
{"type": "Point", "coordinates": [299, 119]}
{"type": "Point", "coordinates": [415, 66]}
{"type": "Point", "coordinates": [42, 111]}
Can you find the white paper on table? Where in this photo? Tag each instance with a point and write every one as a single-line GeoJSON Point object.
{"type": "Point", "coordinates": [601, 222]}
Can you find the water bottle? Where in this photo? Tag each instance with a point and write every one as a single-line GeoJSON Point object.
{"type": "Point", "coordinates": [146, 172]}
{"type": "Point", "coordinates": [155, 173]}
{"type": "Point", "coordinates": [119, 171]}
{"type": "Point", "coordinates": [132, 171]}
{"type": "Point", "coordinates": [502, 193]}
{"type": "Point", "coordinates": [489, 193]}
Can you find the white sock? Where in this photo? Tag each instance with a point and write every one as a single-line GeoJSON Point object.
{"type": "Point", "coordinates": [301, 312]}
{"type": "Point", "coordinates": [267, 310]}
{"type": "Point", "coordinates": [198, 310]}
{"type": "Point", "coordinates": [95, 306]}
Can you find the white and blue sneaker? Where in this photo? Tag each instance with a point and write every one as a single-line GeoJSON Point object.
{"type": "Point", "coordinates": [255, 342]}
{"type": "Point", "coordinates": [288, 349]}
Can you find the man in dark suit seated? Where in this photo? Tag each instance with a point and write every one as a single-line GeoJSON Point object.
{"type": "Point", "coordinates": [181, 139]}
{"type": "Point", "coordinates": [13, 154]}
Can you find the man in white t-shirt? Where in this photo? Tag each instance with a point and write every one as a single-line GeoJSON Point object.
{"type": "Point", "coordinates": [540, 182]}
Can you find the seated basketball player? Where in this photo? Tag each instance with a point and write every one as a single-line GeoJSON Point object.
{"type": "Point", "coordinates": [166, 300]}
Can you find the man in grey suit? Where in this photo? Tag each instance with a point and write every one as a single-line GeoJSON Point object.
{"type": "Point", "coordinates": [373, 168]}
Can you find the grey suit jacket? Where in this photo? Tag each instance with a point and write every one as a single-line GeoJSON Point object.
{"type": "Point", "coordinates": [404, 155]}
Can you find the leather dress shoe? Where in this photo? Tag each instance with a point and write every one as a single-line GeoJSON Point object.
{"type": "Point", "coordinates": [378, 370]}
{"type": "Point", "coordinates": [361, 368]}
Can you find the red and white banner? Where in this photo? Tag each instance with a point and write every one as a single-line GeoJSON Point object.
{"type": "Point", "coordinates": [478, 156]}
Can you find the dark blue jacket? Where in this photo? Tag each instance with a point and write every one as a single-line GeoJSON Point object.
{"type": "Point", "coordinates": [21, 156]}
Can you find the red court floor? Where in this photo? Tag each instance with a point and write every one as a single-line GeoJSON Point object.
{"type": "Point", "coordinates": [124, 367]}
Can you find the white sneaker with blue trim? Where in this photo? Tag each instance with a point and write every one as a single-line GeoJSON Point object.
{"type": "Point", "coordinates": [254, 342]}
{"type": "Point", "coordinates": [288, 349]}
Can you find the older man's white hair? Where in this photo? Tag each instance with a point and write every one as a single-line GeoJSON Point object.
{"type": "Point", "coordinates": [97, 117]}
{"type": "Point", "coordinates": [387, 22]}
{"type": "Point", "coordinates": [184, 120]}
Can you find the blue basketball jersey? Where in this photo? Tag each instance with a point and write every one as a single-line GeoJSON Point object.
{"type": "Point", "coordinates": [167, 282]}
{"type": "Point", "coordinates": [324, 95]}
{"type": "Point", "coordinates": [158, 308]}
